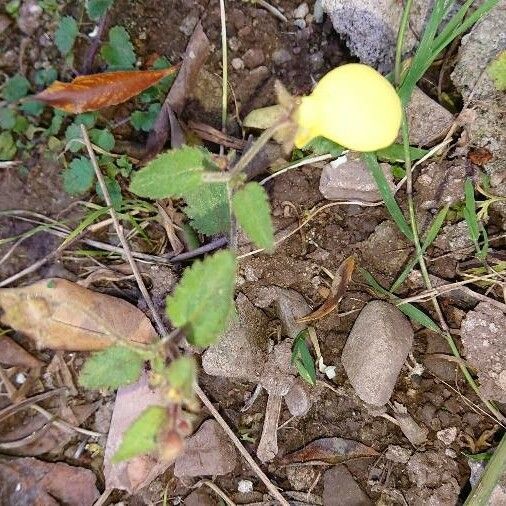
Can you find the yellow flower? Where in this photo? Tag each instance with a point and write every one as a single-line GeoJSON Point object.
{"type": "Point", "coordinates": [354, 106]}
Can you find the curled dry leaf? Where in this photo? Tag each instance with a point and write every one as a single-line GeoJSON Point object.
{"type": "Point", "coordinates": [62, 315]}
{"type": "Point", "coordinates": [331, 450]}
{"type": "Point", "coordinates": [14, 354]}
{"type": "Point", "coordinates": [96, 91]}
{"type": "Point", "coordinates": [337, 291]}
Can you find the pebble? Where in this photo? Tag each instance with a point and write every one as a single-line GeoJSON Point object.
{"type": "Point", "coordinates": [234, 44]}
{"type": "Point", "coordinates": [188, 24]}
{"type": "Point", "coordinates": [318, 12]}
{"type": "Point", "coordinates": [301, 11]}
{"type": "Point", "coordinates": [300, 23]}
{"type": "Point", "coordinates": [301, 477]}
{"type": "Point", "coordinates": [398, 454]}
{"type": "Point", "coordinates": [375, 351]}
{"type": "Point", "coordinates": [281, 56]}
{"type": "Point", "coordinates": [237, 64]}
{"type": "Point", "coordinates": [447, 436]}
{"type": "Point", "coordinates": [245, 486]}
{"type": "Point", "coordinates": [341, 489]}
{"type": "Point", "coordinates": [297, 399]}
{"type": "Point", "coordinates": [28, 18]}
{"type": "Point", "coordinates": [253, 58]}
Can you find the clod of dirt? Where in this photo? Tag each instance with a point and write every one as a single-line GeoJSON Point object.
{"type": "Point", "coordinates": [415, 434]}
{"type": "Point", "coordinates": [253, 57]}
{"type": "Point", "coordinates": [345, 179]}
{"type": "Point", "coordinates": [29, 481]}
{"type": "Point", "coordinates": [29, 17]}
{"type": "Point", "coordinates": [447, 436]}
{"type": "Point", "coordinates": [482, 335]}
{"type": "Point", "coordinates": [207, 452]}
{"type": "Point", "coordinates": [279, 374]}
{"type": "Point", "coordinates": [341, 489]}
{"type": "Point", "coordinates": [435, 476]}
{"type": "Point", "coordinates": [241, 352]}
{"type": "Point", "coordinates": [298, 400]}
{"type": "Point", "coordinates": [428, 121]}
{"type": "Point", "coordinates": [301, 477]}
{"type": "Point", "coordinates": [375, 351]}
{"type": "Point", "coordinates": [201, 497]}
{"type": "Point", "coordinates": [396, 453]}
{"type": "Point", "coordinates": [454, 237]}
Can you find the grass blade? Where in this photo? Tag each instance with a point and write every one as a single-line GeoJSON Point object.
{"type": "Point", "coordinates": [387, 195]}
{"type": "Point", "coordinates": [88, 220]}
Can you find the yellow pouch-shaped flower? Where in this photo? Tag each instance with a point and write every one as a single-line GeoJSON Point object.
{"type": "Point", "coordinates": [354, 106]}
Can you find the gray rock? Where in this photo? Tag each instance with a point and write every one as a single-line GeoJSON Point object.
{"type": "Point", "coordinates": [318, 12]}
{"type": "Point", "coordinates": [301, 477]}
{"type": "Point", "coordinates": [428, 121]}
{"type": "Point", "coordinates": [253, 57]}
{"type": "Point", "coordinates": [237, 64]}
{"type": "Point", "coordinates": [301, 11]}
{"type": "Point", "coordinates": [375, 351]}
{"type": "Point", "coordinates": [208, 452]}
{"type": "Point", "coordinates": [188, 24]}
{"type": "Point", "coordinates": [482, 334]}
{"type": "Point", "coordinates": [397, 454]}
{"type": "Point", "coordinates": [351, 180]}
{"type": "Point", "coordinates": [29, 17]}
{"type": "Point", "coordinates": [279, 374]}
{"type": "Point", "coordinates": [300, 23]}
{"type": "Point", "coordinates": [281, 56]}
{"type": "Point", "coordinates": [241, 352]}
{"type": "Point", "coordinates": [341, 489]}
{"type": "Point", "coordinates": [298, 400]}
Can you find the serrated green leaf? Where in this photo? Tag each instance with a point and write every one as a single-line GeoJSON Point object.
{"type": "Point", "coordinates": [74, 138]}
{"type": "Point", "coordinates": [253, 212]}
{"type": "Point", "coordinates": [322, 146]}
{"type": "Point", "coordinates": [118, 52]}
{"type": "Point", "coordinates": [395, 153]}
{"type": "Point", "coordinates": [45, 77]}
{"type": "Point", "coordinates": [7, 118]}
{"type": "Point", "coordinates": [182, 376]}
{"type": "Point", "coordinates": [32, 107]}
{"type": "Point", "coordinates": [97, 8]}
{"type": "Point", "coordinates": [21, 126]}
{"type": "Point", "coordinates": [208, 209]}
{"type": "Point", "coordinates": [203, 300]}
{"type": "Point", "coordinates": [144, 120]}
{"type": "Point", "coordinates": [79, 176]}
{"type": "Point", "coordinates": [88, 119]}
{"type": "Point", "coordinates": [172, 174]}
{"type": "Point", "coordinates": [15, 88]}
{"type": "Point", "coordinates": [111, 368]}
{"type": "Point", "coordinates": [141, 437]}
{"type": "Point", "coordinates": [66, 34]}
{"type": "Point", "coordinates": [114, 190]}
{"type": "Point", "coordinates": [7, 146]}
{"type": "Point", "coordinates": [497, 71]}
{"type": "Point", "coordinates": [103, 139]}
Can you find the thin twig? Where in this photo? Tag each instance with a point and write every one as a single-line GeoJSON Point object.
{"type": "Point", "coordinates": [217, 243]}
{"type": "Point", "coordinates": [217, 490]}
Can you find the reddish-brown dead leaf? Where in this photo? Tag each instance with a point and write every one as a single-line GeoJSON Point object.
{"type": "Point", "coordinates": [337, 291]}
{"type": "Point", "coordinates": [14, 354]}
{"type": "Point", "coordinates": [331, 450]}
{"type": "Point", "coordinates": [96, 91]}
{"type": "Point", "coordinates": [62, 315]}
{"type": "Point", "coordinates": [480, 156]}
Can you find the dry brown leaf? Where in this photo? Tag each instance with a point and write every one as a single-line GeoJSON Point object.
{"type": "Point", "coordinates": [331, 450]}
{"type": "Point", "coordinates": [96, 91]}
{"type": "Point", "coordinates": [62, 315]}
{"type": "Point", "coordinates": [14, 354]}
{"type": "Point", "coordinates": [337, 291]}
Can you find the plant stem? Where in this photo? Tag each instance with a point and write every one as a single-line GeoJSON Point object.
{"type": "Point", "coordinates": [425, 274]}
{"type": "Point", "coordinates": [224, 93]}
{"type": "Point", "coordinates": [495, 469]}
{"type": "Point", "coordinates": [400, 42]}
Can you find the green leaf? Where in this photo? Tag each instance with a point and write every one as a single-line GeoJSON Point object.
{"type": "Point", "coordinates": [419, 316]}
{"type": "Point", "coordinates": [182, 376]}
{"type": "Point", "coordinates": [15, 88]}
{"type": "Point", "coordinates": [90, 218]}
{"type": "Point", "coordinates": [88, 119]}
{"type": "Point", "coordinates": [141, 437]}
{"type": "Point", "coordinates": [79, 176]}
{"type": "Point", "coordinates": [56, 122]}
{"type": "Point", "coordinates": [302, 359]}
{"type": "Point", "coordinates": [172, 174]}
{"type": "Point", "coordinates": [387, 195]}
{"type": "Point", "coordinates": [74, 138]}
{"type": "Point", "coordinates": [207, 207]}
{"type": "Point", "coordinates": [497, 71]}
{"type": "Point", "coordinates": [118, 52]}
{"type": "Point", "coordinates": [66, 34]}
{"type": "Point", "coordinates": [103, 139]}
{"type": "Point", "coordinates": [114, 190]}
{"type": "Point", "coordinates": [7, 146]}
{"type": "Point", "coordinates": [97, 8]}
{"type": "Point", "coordinates": [395, 153]}
{"type": "Point", "coordinates": [144, 120]}
{"type": "Point", "coordinates": [322, 146]}
{"type": "Point", "coordinates": [45, 77]}
{"type": "Point", "coordinates": [21, 125]}
{"type": "Point", "coordinates": [203, 300]}
{"type": "Point", "coordinates": [470, 212]}
{"type": "Point", "coordinates": [32, 107]}
{"type": "Point", "coordinates": [252, 210]}
{"type": "Point", "coordinates": [111, 368]}
{"type": "Point", "coordinates": [7, 118]}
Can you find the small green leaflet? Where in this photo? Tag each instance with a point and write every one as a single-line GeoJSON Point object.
{"type": "Point", "coordinates": [323, 146]}
{"type": "Point", "coordinates": [111, 368]}
{"type": "Point", "coordinates": [207, 207]}
{"type": "Point", "coordinates": [79, 176]}
{"type": "Point", "coordinates": [66, 34]}
{"type": "Point", "coordinates": [144, 120]}
{"type": "Point", "coordinates": [202, 302]}
{"type": "Point", "coordinates": [118, 52]}
{"type": "Point", "coordinates": [45, 77]}
{"type": "Point", "coordinates": [395, 153]}
{"type": "Point", "coordinates": [182, 375]}
{"type": "Point", "coordinates": [114, 190]}
{"type": "Point", "coordinates": [73, 138]}
{"type": "Point", "coordinates": [141, 437]}
{"type": "Point", "coordinates": [172, 174]}
{"type": "Point", "coordinates": [97, 8]}
{"type": "Point", "coordinates": [102, 138]}
{"type": "Point", "coordinates": [7, 146]}
{"type": "Point", "coordinates": [7, 118]}
{"type": "Point", "coordinates": [252, 210]}
{"type": "Point", "coordinates": [15, 88]}
{"type": "Point", "coordinates": [497, 71]}
{"type": "Point", "coordinates": [302, 359]}
{"type": "Point", "coordinates": [470, 212]}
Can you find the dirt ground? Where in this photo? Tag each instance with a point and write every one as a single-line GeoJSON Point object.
{"type": "Point", "coordinates": [435, 396]}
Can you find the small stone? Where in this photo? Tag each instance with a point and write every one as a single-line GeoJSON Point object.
{"type": "Point", "coordinates": [245, 486]}
{"type": "Point", "coordinates": [208, 452]}
{"type": "Point", "coordinates": [301, 11]}
{"type": "Point", "coordinates": [279, 374]}
{"type": "Point", "coordinates": [421, 131]}
{"type": "Point", "coordinates": [300, 23]}
{"type": "Point", "coordinates": [316, 61]}
{"type": "Point", "coordinates": [200, 497]}
{"type": "Point", "coordinates": [345, 179]}
{"type": "Point", "coordinates": [301, 477]}
{"type": "Point", "coordinates": [318, 12]}
{"type": "Point", "coordinates": [234, 44]}
{"type": "Point", "coordinates": [28, 18]}
{"type": "Point", "coordinates": [238, 18]}
{"type": "Point", "coordinates": [188, 24]}
{"type": "Point", "coordinates": [375, 351]}
{"type": "Point", "coordinates": [237, 64]}
{"type": "Point", "coordinates": [447, 436]}
{"type": "Point", "coordinates": [253, 58]}
{"type": "Point", "coordinates": [281, 56]}
{"type": "Point", "coordinates": [397, 454]}
{"type": "Point", "coordinates": [309, 19]}
{"type": "Point", "coordinates": [297, 399]}
{"type": "Point", "coordinates": [341, 489]}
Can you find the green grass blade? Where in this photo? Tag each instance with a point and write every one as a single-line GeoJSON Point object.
{"type": "Point", "coordinates": [470, 212]}
{"type": "Point", "coordinates": [387, 195]}
{"type": "Point", "coordinates": [88, 220]}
